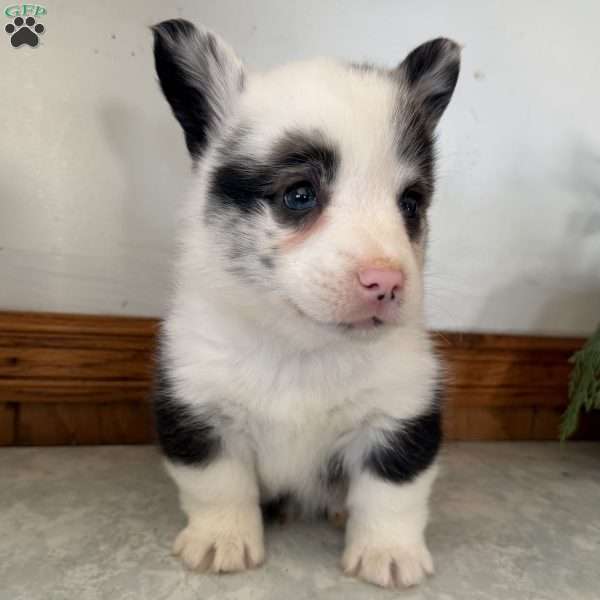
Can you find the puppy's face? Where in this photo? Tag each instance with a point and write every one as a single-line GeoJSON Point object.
{"type": "Point", "coordinates": [317, 176]}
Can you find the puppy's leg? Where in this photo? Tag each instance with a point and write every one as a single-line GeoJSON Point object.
{"type": "Point", "coordinates": [388, 506]}
{"type": "Point", "coordinates": [217, 485]}
{"type": "Point", "coordinates": [225, 530]}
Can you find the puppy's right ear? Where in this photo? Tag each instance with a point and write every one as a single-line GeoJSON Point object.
{"type": "Point", "coordinates": [431, 72]}
{"type": "Point", "coordinates": [200, 76]}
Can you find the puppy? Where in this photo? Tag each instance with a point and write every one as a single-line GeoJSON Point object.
{"type": "Point", "coordinates": [294, 362]}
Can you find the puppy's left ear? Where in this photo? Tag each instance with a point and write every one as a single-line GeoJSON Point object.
{"type": "Point", "coordinates": [430, 72]}
{"type": "Point", "coordinates": [200, 76]}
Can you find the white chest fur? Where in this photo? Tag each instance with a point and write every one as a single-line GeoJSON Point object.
{"type": "Point", "coordinates": [288, 409]}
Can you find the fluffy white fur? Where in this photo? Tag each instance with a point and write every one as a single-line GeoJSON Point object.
{"type": "Point", "coordinates": [289, 405]}
{"type": "Point", "coordinates": [291, 386]}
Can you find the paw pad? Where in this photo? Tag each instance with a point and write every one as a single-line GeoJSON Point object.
{"type": "Point", "coordinates": [24, 31]}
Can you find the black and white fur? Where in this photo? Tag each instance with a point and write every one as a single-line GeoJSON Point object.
{"type": "Point", "coordinates": [265, 390]}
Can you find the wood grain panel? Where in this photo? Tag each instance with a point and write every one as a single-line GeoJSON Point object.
{"type": "Point", "coordinates": [486, 423]}
{"type": "Point", "coordinates": [22, 389]}
{"type": "Point", "coordinates": [68, 363]}
{"type": "Point", "coordinates": [85, 379]}
{"type": "Point", "coordinates": [8, 421]}
{"type": "Point", "coordinates": [476, 395]}
{"type": "Point", "coordinates": [83, 424]}
{"type": "Point", "coordinates": [86, 325]}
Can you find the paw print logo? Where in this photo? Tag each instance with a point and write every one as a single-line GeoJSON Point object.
{"type": "Point", "coordinates": [24, 32]}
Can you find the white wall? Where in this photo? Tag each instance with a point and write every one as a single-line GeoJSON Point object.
{"type": "Point", "coordinates": [92, 163]}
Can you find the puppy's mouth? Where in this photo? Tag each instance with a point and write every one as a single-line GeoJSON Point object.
{"type": "Point", "coordinates": [364, 324]}
{"type": "Point", "coordinates": [368, 324]}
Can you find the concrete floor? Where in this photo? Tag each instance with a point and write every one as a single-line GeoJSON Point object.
{"type": "Point", "coordinates": [510, 521]}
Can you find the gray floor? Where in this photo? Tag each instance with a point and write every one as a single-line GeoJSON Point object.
{"type": "Point", "coordinates": [510, 521]}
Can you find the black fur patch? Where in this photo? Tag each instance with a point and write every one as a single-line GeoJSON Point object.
{"type": "Point", "coordinates": [189, 103]}
{"type": "Point", "coordinates": [416, 147]}
{"type": "Point", "coordinates": [409, 449]}
{"type": "Point", "coordinates": [246, 184]}
{"type": "Point", "coordinates": [415, 227]}
{"type": "Point", "coordinates": [436, 63]}
{"type": "Point", "coordinates": [183, 436]}
{"type": "Point", "coordinates": [176, 42]}
{"type": "Point", "coordinates": [436, 104]}
{"type": "Point", "coordinates": [416, 224]}
{"type": "Point", "coordinates": [422, 59]}
{"type": "Point", "coordinates": [274, 509]}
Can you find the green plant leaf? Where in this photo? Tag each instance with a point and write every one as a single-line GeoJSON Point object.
{"type": "Point", "coordinates": [584, 385]}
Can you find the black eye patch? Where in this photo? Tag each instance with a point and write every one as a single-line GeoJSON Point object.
{"type": "Point", "coordinates": [416, 148]}
{"type": "Point", "coordinates": [245, 184]}
{"type": "Point", "coordinates": [413, 203]}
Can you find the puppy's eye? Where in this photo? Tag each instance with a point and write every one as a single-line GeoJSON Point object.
{"type": "Point", "coordinates": [300, 197]}
{"type": "Point", "coordinates": [409, 203]}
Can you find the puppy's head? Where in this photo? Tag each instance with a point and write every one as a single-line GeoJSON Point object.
{"type": "Point", "coordinates": [317, 176]}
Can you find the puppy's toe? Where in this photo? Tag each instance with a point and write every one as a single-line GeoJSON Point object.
{"type": "Point", "coordinates": [388, 567]}
{"type": "Point", "coordinates": [229, 543]}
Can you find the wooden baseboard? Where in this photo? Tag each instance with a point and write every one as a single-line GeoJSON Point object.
{"type": "Point", "coordinates": [76, 379]}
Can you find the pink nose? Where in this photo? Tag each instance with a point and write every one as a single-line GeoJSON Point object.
{"type": "Point", "coordinates": [381, 284]}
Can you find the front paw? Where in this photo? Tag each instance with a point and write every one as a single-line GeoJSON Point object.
{"type": "Point", "coordinates": [388, 566]}
{"type": "Point", "coordinates": [222, 540]}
